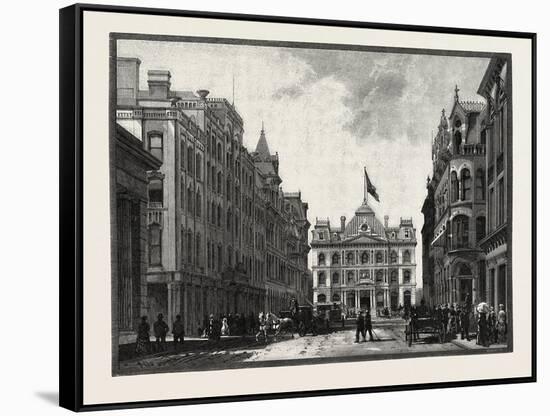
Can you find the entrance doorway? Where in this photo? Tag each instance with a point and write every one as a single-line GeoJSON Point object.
{"type": "Point", "coordinates": [465, 290]}
{"type": "Point", "coordinates": [364, 299]}
{"type": "Point", "coordinates": [407, 299]}
{"type": "Point", "coordinates": [394, 298]}
{"type": "Point", "coordinates": [350, 299]}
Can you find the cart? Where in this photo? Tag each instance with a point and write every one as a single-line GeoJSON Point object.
{"type": "Point", "coordinates": [308, 322]}
{"type": "Point", "coordinates": [428, 325]}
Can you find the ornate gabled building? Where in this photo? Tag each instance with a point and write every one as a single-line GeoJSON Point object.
{"type": "Point", "coordinates": [364, 264]}
{"type": "Point", "coordinates": [454, 209]}
{"type": "Point", "coordinates": [286, 233]}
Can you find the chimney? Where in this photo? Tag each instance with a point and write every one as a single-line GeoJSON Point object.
{"type": "Point", "coordinates": [386, 220]}
{"type": "Point", "coordinates": [159, 83]}
{"type": "Point", "coordinates": [342, 223]}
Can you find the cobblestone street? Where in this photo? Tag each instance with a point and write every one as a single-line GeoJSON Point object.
{"type": "Point", "coordinates": [236, 352]}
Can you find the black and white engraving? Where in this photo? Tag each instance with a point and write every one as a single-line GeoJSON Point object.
{"type": "Point", "coordinates": [292, 204]}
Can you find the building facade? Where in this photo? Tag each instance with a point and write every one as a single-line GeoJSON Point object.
{"type": "Point", "coordinates": [364, 264]}
{"type": "Point", "coordinates": [209, 203]}
{"type": "Point", "coordinates": [454, 210]}
{"type": "Point", "coordinates": [129, 237]}
{"type": "Point", "coordinates": [496, 87]}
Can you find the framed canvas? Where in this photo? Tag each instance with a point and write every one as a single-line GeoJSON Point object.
{"type": "Point", "coordinates": [257, 207]}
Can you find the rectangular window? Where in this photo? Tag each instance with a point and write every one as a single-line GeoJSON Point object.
{"type": "Point", "coordinates": [500, 201]}
{"type": "Point", "coordinates": [155, 145]}
{"type": "Point", "coordinates": [491, 216]}
{"type": "Point", "coordinates": [155, 193]}
{"type": "Point", "coordinates": [155, 248]}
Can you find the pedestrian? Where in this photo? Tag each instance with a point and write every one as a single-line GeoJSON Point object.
{"type": "Point", "coordinates": [178, 332]}
{"type": "Point", "coordinates": [262, 327]}
{"type": "Point", "coordinates": [502, 325]}
{"type": "Point", "coordinates": [360, 327]}
{"type": "Point", "coordinates": [491, 326]}
{"type": "Point", "coordinates": [213, 329]}
{"type": "Point", "coordinates": [327, 320]}
{"type": "Point", "coordinates": [143, 342]}
{"type": "Point", "coordinates": [225, 326]}
{"type": "Point", "coordinates": [343, 316]}
{"type": "Point", "coordinates": [368, 326]}
{"type": "Point", "coordinates": [464, 323]}
{"type": "Point", "coordinates": [482, 338]}
{"type": "Point", "coordinates": [200, 330]}
{"type": "Point", "coordinates": [160, 328]}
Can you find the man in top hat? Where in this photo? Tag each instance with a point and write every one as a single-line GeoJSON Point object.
{"type": "Point", "coordinates": [360, 326]}
{"type": "Point", "coordinates": [160, 328]}
{"type": "Point", "coordinates": [178, 332]}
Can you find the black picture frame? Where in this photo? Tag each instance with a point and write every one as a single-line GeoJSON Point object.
{"type": "Point", "coordinates": [71, 198]}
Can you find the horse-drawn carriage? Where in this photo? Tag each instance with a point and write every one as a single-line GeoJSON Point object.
{"type": "Point", "coordinates": [427, 325]}
{"type": "Point", "coordinates": [308, 321]}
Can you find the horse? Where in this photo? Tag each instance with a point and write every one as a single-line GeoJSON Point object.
{"type": "Point", "coordinates": [282, 325]}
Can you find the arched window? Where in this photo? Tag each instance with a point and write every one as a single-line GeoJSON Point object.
{"type": "Point", "coordinates": [219, 152]}
{"type": "Point", "coordinates": [321, 298]}
{"type": "Point", "coordinates": [335, 258]}
{"type": "Point", "coordinates": [155, 145]}
{"type": "Point", "coordinates": [406, 276]}
{"type": "Point", "coordinates": [406, 256]}
{"type": "Point", "coordinates": [219, 182]}
{"type": "Point", "coordinates": [198, 255]}
{"type": "Point", "coordinates": [466, 184]}
{"type": "Point", "coordinates": [379, 276]}
{"type": "Point", "coordinates": [364, 257]}
{"type": "Point", "coordinates": [198, 205]}
{"type": "Point", "coordinates": [321, 259]}
{"type": "Point", "coordinates": [458, 142]}
{"type": "Point", "coordinates": [155, 192]}
{"type": "Point", "coordinates": [336, 297]}
{"type": "Point", "coordinates": [322, 279]}
{"type": "Point", "coordinates": [379, 257]}
{"type": "Point", "coordinates": [189, 246]}
{"type": "Point", "coordinates": [351, 277]}
{"type": "Point", "coordinates": [190, 153]}
{"type": "Point", "coordinates": [229, 256]}
{"type": "Point", "coordinates": [379, 299]}
{"type": "Point", "coordinates": [198, 166]}
{"type": "Point", "coordinates": [189, 200]}
{"type": "Point", "coordinates": [219, 216]}
{"type": "Point", "coordinates": [480, 228]}
{"type": "Point", "coordinates": [480, 184]}
{"type": "Point", "coordinates": [393, 257]}
{"type": "Point", "coordinates": [228, 189]}
{"type": "Point", "coordinates": [349, 257]}
{"type": "Point", "coordinates": [228, 219]}
{"type": "Point", "coordinates": [461, 231]}
{"type": "Point", "coordinates": [454, 186]}
{"type": "Point", "coordinates": [393, 276]}
{"type": "Point", "coordinates": [335, 278]}
{"type": "Point", "coordinates": [155, 245]}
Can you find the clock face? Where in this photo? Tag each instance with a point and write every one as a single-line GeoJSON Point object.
{"type": "Point", "coordinates": [364, 227]}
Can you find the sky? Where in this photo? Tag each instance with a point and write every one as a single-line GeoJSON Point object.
{"type": "Point", "coordinates": [328, 113]}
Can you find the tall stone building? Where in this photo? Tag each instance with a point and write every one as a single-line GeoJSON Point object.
{"type": "Point", "coordinates": [454, 209]}
{"type": "Point", "coordinates": [210, 204]}
{"type": "Point", "coordinates": [129, 237]}
{"type": "Point", "coordinates": [496, 130]}
{"type": "Point", "coordinates": [364, 264]}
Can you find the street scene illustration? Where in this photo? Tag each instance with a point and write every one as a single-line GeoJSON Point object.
{"type": "Point", "coordinates": [281, 205]}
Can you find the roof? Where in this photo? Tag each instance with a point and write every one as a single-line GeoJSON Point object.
{"type": "Point", "coordinates": [262, 148]}
{"type": "Point", "coordinates": [364, 215]}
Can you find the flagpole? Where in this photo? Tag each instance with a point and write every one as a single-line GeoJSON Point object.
{"type": "Point", "coordinates": [365, 193]}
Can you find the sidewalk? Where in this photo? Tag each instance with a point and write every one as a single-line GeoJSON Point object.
{"type": "Point", "coordinates": [471, 345]}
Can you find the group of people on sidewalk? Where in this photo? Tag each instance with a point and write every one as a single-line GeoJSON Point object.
{"type": "Point", "coordinates": [160, 331]}
{"type": "Point", "coordinates": [491, 328]}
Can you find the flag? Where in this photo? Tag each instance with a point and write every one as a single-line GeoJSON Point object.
{"type": "Point", "coordinates": [371, 189]}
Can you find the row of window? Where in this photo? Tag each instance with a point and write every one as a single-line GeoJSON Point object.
{"type": "Point", "coordinates": [378, 276]}
{"type": "Point", "coordinates": [322, 298]}
{"type": "Point", "coordinates": [365, 258]}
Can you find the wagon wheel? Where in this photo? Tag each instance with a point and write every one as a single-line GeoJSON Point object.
{"type": "Point", "coordinates": [301, 329]}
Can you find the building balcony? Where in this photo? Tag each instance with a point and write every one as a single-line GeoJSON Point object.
{"type": "Point", "coordinates": [476, 149]}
